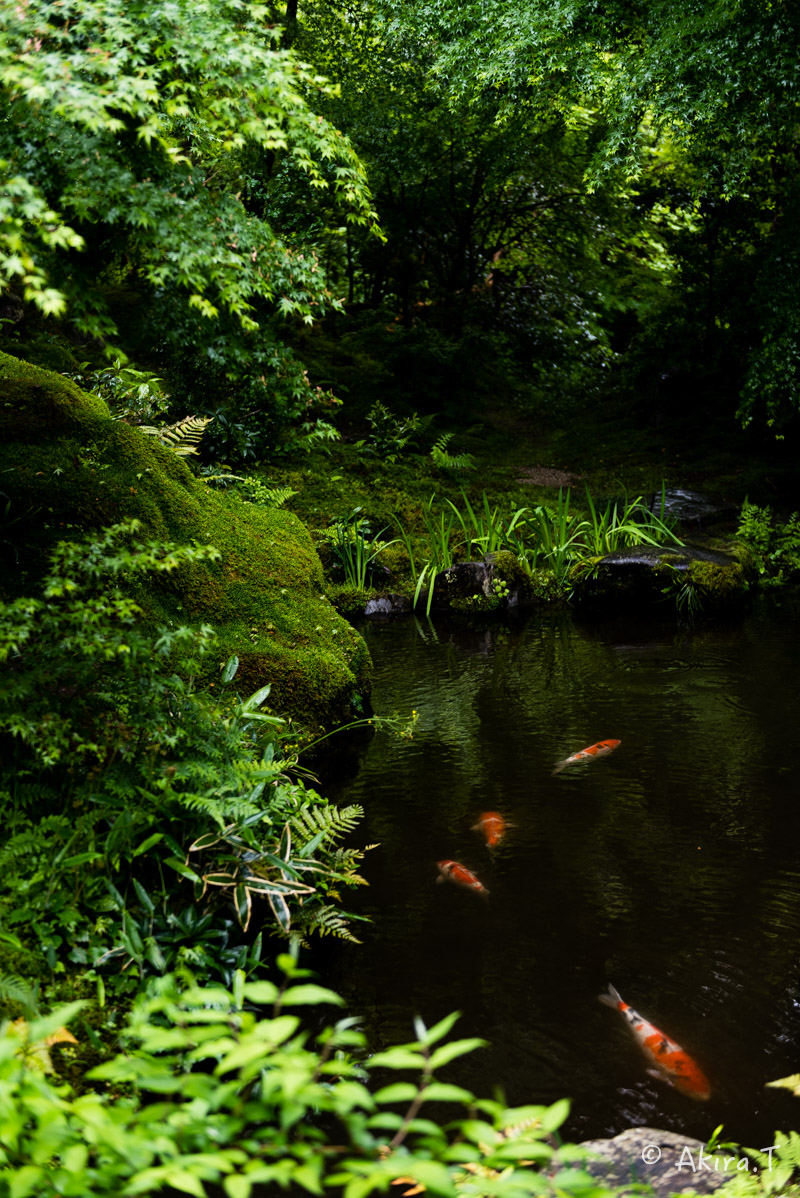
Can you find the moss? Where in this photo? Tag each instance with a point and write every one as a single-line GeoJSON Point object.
{"type": "Point", "coordinates": [45, 350]}
{"type": "Point", "coordinates": [473, 603]}
{"type": "Point", "coordinates": [67, 468]}
{"type": "Point", "coordinates": [348, 600]}
{"type": "Point", "coordinates": [36, 402]}
{"type": "Point", "coordinates": [721, 585]}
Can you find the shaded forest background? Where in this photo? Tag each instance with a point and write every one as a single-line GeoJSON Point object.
{"type": "Point", "coordinates": [566, 213]}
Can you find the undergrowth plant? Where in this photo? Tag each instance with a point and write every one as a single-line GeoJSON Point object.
{"type": "Point", "coordinates": [451, 463]}
{"type": "Point", "coordinates": [117, 769]}
{"type": "Point", "coordinates": [253, 490]}
{"type": "Point", "coordinates": [774, 544]}
{"type": "Point", "coordinates": [355, 547]}
{"type": "Point", "coordinates": [136, 396]}
{"type": "Point", "coordinates": [228, 1090]}
{"type": "Point", "coordinates": [621, 524]}
{"type": "Point", "coordinates": [390, 434]}
{"type": "Point", "coordinates": [546, 537]}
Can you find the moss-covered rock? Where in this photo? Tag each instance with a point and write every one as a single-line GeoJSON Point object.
{"type": "Point", "coordinates": [702, 579]}
{"type": "Point", "coordinates": [67, 467]}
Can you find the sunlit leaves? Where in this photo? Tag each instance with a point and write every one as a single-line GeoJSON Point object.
{"type": "Point", "coordinates": [150, 111]}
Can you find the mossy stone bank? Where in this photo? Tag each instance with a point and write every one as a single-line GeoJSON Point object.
{"type": "Point", "coordinates": [67, 468]}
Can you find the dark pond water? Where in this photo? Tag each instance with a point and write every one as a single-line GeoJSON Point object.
{"type": "Point", "coordinates": [670, 868]}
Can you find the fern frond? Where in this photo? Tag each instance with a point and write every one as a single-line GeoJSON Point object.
{"type": "Point", "coordinates": [310, 820]}
{"type": "Point", "coordinates": [277, 496]}
{"type": "Point", "coordinates": [15, 989]}
{"type": "Point", "coordinates": [257, 492]}
{"type": "Point", "coordinates": [223, 809]}
{"type": "Point", "coordinates": [449, 461]}
{"type": "Point", "coordinates": [329, 921]}
{"type": "Point", "coordinates": [184, 436]}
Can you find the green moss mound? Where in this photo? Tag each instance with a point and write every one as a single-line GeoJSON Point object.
{"type": "Point", "coordinates": [66, 467]}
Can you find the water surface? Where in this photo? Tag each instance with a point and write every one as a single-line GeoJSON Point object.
{"type": "Point", "coordinates": [670, 868]}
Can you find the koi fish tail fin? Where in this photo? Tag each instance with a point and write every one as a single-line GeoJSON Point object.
{"type": "Point", "coordinates": [559, 767]}
{"type": "Point", "coordinates": [439, 879]}
{"type": "Point", "coordinates": [611, 999]}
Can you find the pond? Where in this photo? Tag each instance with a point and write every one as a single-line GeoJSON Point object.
{"type": "Point", "coordinates": [670, 868]}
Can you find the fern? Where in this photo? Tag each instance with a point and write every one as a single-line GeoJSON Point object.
{"type": "Point", "coordinates": [183, 437]}
{"type": "Point", "coordinates": [330, 821]}
{"type": "Point", "coordinates": [448, 461]}
{"type": "Point", "coordinates": [255, 491]}
{"type": "Point", "coordinates": [14, 989]}
{"type": "Point", "coordinates": [328, 921]}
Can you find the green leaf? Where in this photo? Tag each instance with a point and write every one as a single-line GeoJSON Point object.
{"type": "Point", "coordinates": [148, 843]}
{"type": "Point", "coordinates": [80, 859]}
{"type": "Point", "coordinates": [261, 992]}
{"type": "Point", "coordinates": [243, 904]}
{"type": "Point", "coordinates": [397, 1058]}
{"type": "Point", "coordinates": [455, 1048]}
{"type": "Point", "coordinates": [183, 869]}
{"type": "Point", "coordinates": [555, 1115]}
{"type": "Point", "coordinates": [442, 1092]}
{"type": "Point", "coordinates": [440, 1029]}
{"type": "Point", "coordinates": [256, 699]}
{"type": "Point", "coordinates": [787, 1083]}
{"type": "Point", "coordinates": [25, 1181]}
{"type": "Point", "coordinates": [238, 988]}
{"type": "Point", "coordinates": [398, 1092]}
{"type": "Point", "coordinates": [434, 1176]}
{"type": "Point", "coordinates": [230, 668]}
{"type": "Point", "coordinates": [144, 897]}
{"type": "Point", "coordinates": [308, 993]}
{"type": "Point", "coordinates": [513, 1150]}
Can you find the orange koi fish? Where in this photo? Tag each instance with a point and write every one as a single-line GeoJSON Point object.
{"type": "Point", "coordinates": [601, 749]}
{"type": "Point", "coordinates": [453, 871]}
{"type": "Point", "coordinates": [671, 1063]}
{"type": "Point", "coordinates": [493, 827]}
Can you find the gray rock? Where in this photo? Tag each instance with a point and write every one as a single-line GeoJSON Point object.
{"type": "Point", "coordinates": [680, 557]}
{"type": "Point", "coordinates": [475, 587]}
{"type": "Point", "coordinates": [645, 574]}
{"type": "Point", "coordinates": [387, 605]}
{"type": "Point", "coordinates": [693, 508]}
{"type": "Point", "coordinates": [668, 1162]}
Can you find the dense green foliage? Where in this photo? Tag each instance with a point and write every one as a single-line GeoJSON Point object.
{"type": "Point", "coordinates": [66, 464]}
{"type": "Point", "coordinates": [240, 229]}
{"type": "Point", "coordinates": [149, 815]}
{"type": "Point", "coordinates": [560, 192]}
{"type": "Point", "coordinates": [122, 137]}
{"type": "Point", "coordinates": [229, 1087]}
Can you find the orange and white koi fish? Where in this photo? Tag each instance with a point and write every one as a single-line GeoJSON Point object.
{"type": "Point", "coordinates": [601, 749]}
{"type": "Point", "coordinates": [493, 827]}
{"type": "Point", "coordinates": [453, 871]}
{"type": "Point", "coordinates": [671, 1063]}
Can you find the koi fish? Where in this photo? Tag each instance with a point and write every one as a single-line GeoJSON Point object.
{"type": "Point", "coordinates": [453, 871]}
{"type": "Point", "coordinates": [601, 749]}
{"type": "Point", "coordinates": [493, 827]}
{"type": "Point", "coordinates": [671, 1063]}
